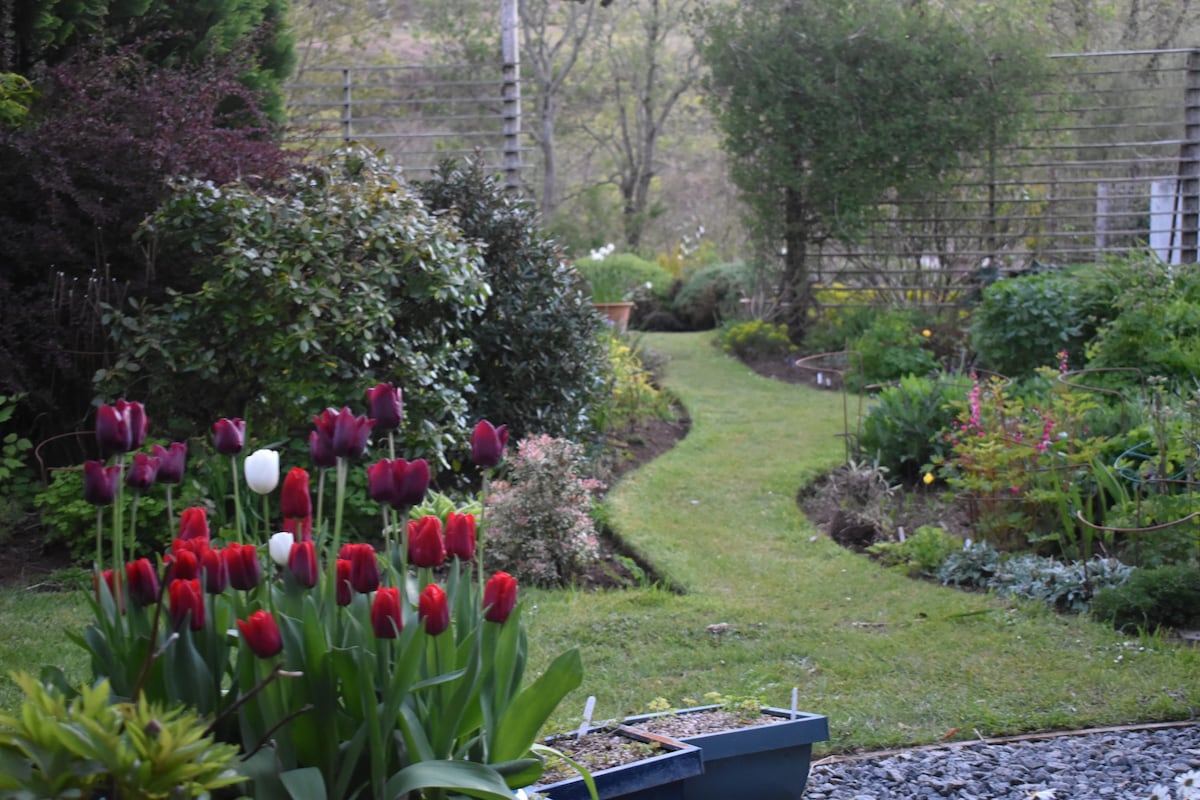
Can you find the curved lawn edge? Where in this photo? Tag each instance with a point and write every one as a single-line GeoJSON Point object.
{"type": "Point", "coordinates": [772, 605]}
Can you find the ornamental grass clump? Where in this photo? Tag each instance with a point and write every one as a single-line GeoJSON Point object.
{"type": "Point", "coordinates": [336, 669]}
{"type": "Point", "coordinates": [539, 524]}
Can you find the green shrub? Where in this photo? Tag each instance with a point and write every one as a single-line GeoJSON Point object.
{"type": "Point", "coordinates": [624, 276]}
{"type": "Point", "coordinates": [922, 553]}
{"type": "Point", "coordinates": [17, 485]}
{"type": "Point", "coordinates": [892, 347]}
{"type": "Point", "coordinates": [712, 294]}
{"type": "Point", "coordinates": [833, 329]}
{"type": "Point", "coordinates": [1151, 598]}
{"type": "Point", "coordinates": [633, 397]}
{"type": "Point", "coordinates": [1023, 322]}
{"type": "Point", "coordinates": [539, 356]}
{"type": "Point", "coordinates": [901, 429]}
{"type": "Point", "coordinates": [305, 293]}
{"type": "Point", "coordinates": [756, 339]}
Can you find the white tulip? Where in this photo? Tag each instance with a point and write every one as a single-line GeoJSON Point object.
{"type": "Point", "coordinates": [262, 471]}
{"type": "Point", "coordinates": [280, 547]}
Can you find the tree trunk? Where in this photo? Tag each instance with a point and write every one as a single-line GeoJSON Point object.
{"type": "Point", "coordinates": [795, 292]}
{"type": "Point", "coordinates": [549, 196]}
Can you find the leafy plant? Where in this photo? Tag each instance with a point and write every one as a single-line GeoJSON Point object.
{"type": "Point", "coordinates": [1166, 596]}
{"type": "Point", "coordinates": [538, 523]}
{"type": "Point", "coordinates": [712, 294]}
{"type": "Point", "coordinates": [83, 744]}
{"type": "Point", "coordinates": [893, 346]}
{"type": "Point", "coordinates": [922, 553]}
{"type": "Point", "coordinates": [623, 277]}
{"type": "Point", "coordinates": [902, 429]}
{"type": "Point", "coordinates": [756, 339]}
{"type": "Point", "coordinates": [538, 364]}
{"type": "Point", "coordinates": [1064, 586]}
{"type": "Point", "coordinates": [975, 565]}
{"type": "Point", "coordinates": [633, 397]}
{"type": "Point", "coordinates": [17, 486]}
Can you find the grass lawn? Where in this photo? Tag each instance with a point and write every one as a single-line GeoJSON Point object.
{"type": "Point", "coordinates": [768, 605]}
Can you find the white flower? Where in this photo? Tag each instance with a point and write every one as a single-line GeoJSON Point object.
{"type": "Point", "coordinates": [1042, 794]}
{"type": "Point", "coordinates": [262, 471]}
{"type": "Point", "coordinates": [280, 547]}
{"type": "Point", "coordinates": [1189, 785]}
{"type": "Point", "coordinates": [1159, 792]}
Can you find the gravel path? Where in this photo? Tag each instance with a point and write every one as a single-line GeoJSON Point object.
{"type": "Point", "coordinates": [1108, 764]}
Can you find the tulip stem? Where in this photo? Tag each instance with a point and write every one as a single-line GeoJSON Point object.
{"type": "Point", "coordinates": [387, 543]}
{"type": "Point", "coordinates": [170, 510]}
{"type": "Point", "coordinates": [118, 522]}
{"type": "Point", "coordinates": [237, 503]}
{"type": "Point", "coordinates": [266, 520]}
{"type": "Point", "coordinates": [339, 502]}
{"type": "Point", "coordinates": [320, 498]}
{"type": "Point", "coordinates": [133, 509]}
{"type": "Point", "coordinates": [99, 538]}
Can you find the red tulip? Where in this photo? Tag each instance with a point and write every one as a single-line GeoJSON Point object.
{"type": "Point", "coordinates": [345, 433]}
{"type": "Point", "coordinates": [261, 634]}
{"type": "Point", "coordinates": [100, 482]}
{"type": "Point", "coordinates": [216, 571]}
{"type": "Point", "coordinates": [229, 436]}
{"type": "Point", "coordinates": [425, 547]}
{"type": "Point", "coordinates": [381, 481]}
{"type": "Point", "coordinates": [171, 461]}
{"type": "Point", "coordinates": [387, 407]}
{"type": "Point", "coordinates": [302, 562]}
{"type": "Point", "coordinates": [433, 609]}
{"type": "Point", "coordinates": [385, 613]}
{"type": "Point", "coordinates": [411, 482]}
{"type": "Point", "coordinates": [110, 582]}
{"type": "Point", "coordinates": [186, 598]}
{"type": "Point", "coordinates": [321, 451]}
{"type": "Point", "coordinates": [112, 431]}
{"type": "Point", "coordinates": [142, 472]}
{"type": "Point", "coordinates": [143, 582]}
{"type": "Point", "coordinates": [460, 536]}
{"type": "Point", "coordinates": [295, 503]}
{"type": "Point", "coordinates": [196, 545]}
{"type": "Point", "coordinates": [245, 571]}
{"type": "Point", "coordinates": [487, 444]}
{"type": "Point", "coordinates": [499, 597]}
{"type": "Point", "coordinates": [344, 593]}
{"type": "Point", "coordinates": [183, 565]}
{"type": "Point", "coordinates": [193, 523]}
{"type": "Point", "coordinates": [364, 566]}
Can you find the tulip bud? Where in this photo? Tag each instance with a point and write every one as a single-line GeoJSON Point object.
{"type": "Point", "coordinates": [245, 571]}
{"type": "Point", "coordinates": [433, 609]}
{"type": "Point", "coordinates": [261, 634]}
{"type": "Point", "coordinates": [186, 598]}
{"type": "Point", "coordinates": [321, 450]}
{"type": "Point", "coordinates": [142, 581]}
{"type": "Point", "coordinates": [411, 487]}
{"type": "Point", "coordinates": [193, 523]}
{"type": "Point", "coordinates": [499, 597]}
{"type": "Point", "coordinates": [142, 472]}
{"type": "Point", "coordinates": [425, 547]}
{"type": "Point", "coordinates": [100, 482]}
{"type": "Point", "coordinates": [343, 582]}
{"type": "Point", "coordinates": [139, 424]}
{"type": "Point", "coordinates": [183, 566]}
{"type": "Point", "coordinates": [345, 433]}
{"type": "Point", "coordinates": [112, 430]}
{"type": "Point", "coordinates": [487, 444]}
{"type": "Point", "coordinates": [229, 436]}
{"type": "Point", "coordinates": [302, 562]}
{"type": "Point", "coordinates": [295, 501]}
{"type": "Point", "coordinates": [381, 481]}
{"type": "Point", "coordinates": [460, 536]}
{"type": "Point", "coordinates": [171, 462]}
{"type": "Point", "coordinates": [364, 567]}
{"type": "Point", "coordinates": [280, 547]}
{"type": "Point", "coordinates": [385, 613]}
{"type": "Point", "coordinates": [387, 407]}
{"type": "Point", "coordinates": [216, 571]}
{"type": "Point", "coordinates": [262, 471]}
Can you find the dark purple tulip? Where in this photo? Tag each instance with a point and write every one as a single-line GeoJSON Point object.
{"type": "Point", "coordinates": [100, 482]}
{"type": "Point", "coordinates": [245, 571]}
{"type": "Point", "coordinates": [346, 434]}
{"type": "Point", "coordinates": [229, 436]}
{"type": "Point", "coordinates": [142, 472]}
{"type": "Point", "coordinates": [302, 562]}
{"type": "Point", "coordinates": [387, 407]}
{"type": "Point", "coordinates": [112, 430]}
{"type": "Point", "coordinates": [364, 566]}
{"type": "Point", "coordinates": [412, 484]}
{"type": "Point", "coordinates": [216, 571]}
{"type": "Point", "coordinates": [135, 413]}
{"type": "Point", "coordinates": [487, 444]}
{"type": "Point", "coordinates": [381, 481]}
{"type": "Point", "coordinates": [171, 461]}
{"type": "Point", "coordinates": [321, 450]}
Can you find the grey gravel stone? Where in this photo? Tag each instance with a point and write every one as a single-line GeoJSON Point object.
{"type": "Point", "coordinates": [1123, 765]}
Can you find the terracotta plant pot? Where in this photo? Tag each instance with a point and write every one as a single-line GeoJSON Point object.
{"type": "Point", "coordinates": [617, 314]}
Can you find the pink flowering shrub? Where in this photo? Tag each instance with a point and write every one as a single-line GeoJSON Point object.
{"type": "Point", "coordinates": [538, 525]}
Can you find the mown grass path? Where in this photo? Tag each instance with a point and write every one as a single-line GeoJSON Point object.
{"type": "Point", "coordinates": [769, 604]}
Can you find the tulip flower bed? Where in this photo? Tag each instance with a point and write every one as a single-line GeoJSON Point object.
{"type": "Point", "coordinates": [337, 669]}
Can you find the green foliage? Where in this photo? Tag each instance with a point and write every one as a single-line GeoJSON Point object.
{"type": "Point", "coordinates": [17, 486]}
{"type": "Point", "coordinates": [83, 744]}
{"type": "Point", "coordinates": [1167, 596]}
{"type": "Point", "coordinates": [1022, 322]}
{"type": "Point", "coordinates": [539, 528]}
{"type": "Point", "coordinates": [901, 431]}
{"type": "Point", "coordinates": [1156, 328]}
{"type": "Point", "coordinates": [922, 553]}
{"type": "Point", "coordinates": [756, 339]}
{"type": "Point", "coordinates": [834, 328]}
{"type": "Point", "coordinates": [624, 276]}
{"type": "Point", "coordinates": [308, 292]}
{"type": "Point", "coordinates": [538, 360]}
{"type": "Point", "coordinates": [974, 566]}
{"type": "Point", "coordinates": [16, 95]}
{"type": "Point", "coordinates": [633, 396]}
{"type": "Point", "coordinates": [712, 294]}
{"type": "Point", "coordinates": [893, 346]}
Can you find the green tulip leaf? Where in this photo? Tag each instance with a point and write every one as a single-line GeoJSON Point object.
{"type": "Point", "coordinates": [521, 772]}
{"type": "Point", "coordinates": [519, 726]}
{"type": "Point", "coordinates": [464, 777]}
{"type": "Point", "coordinates": [304, 784]}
